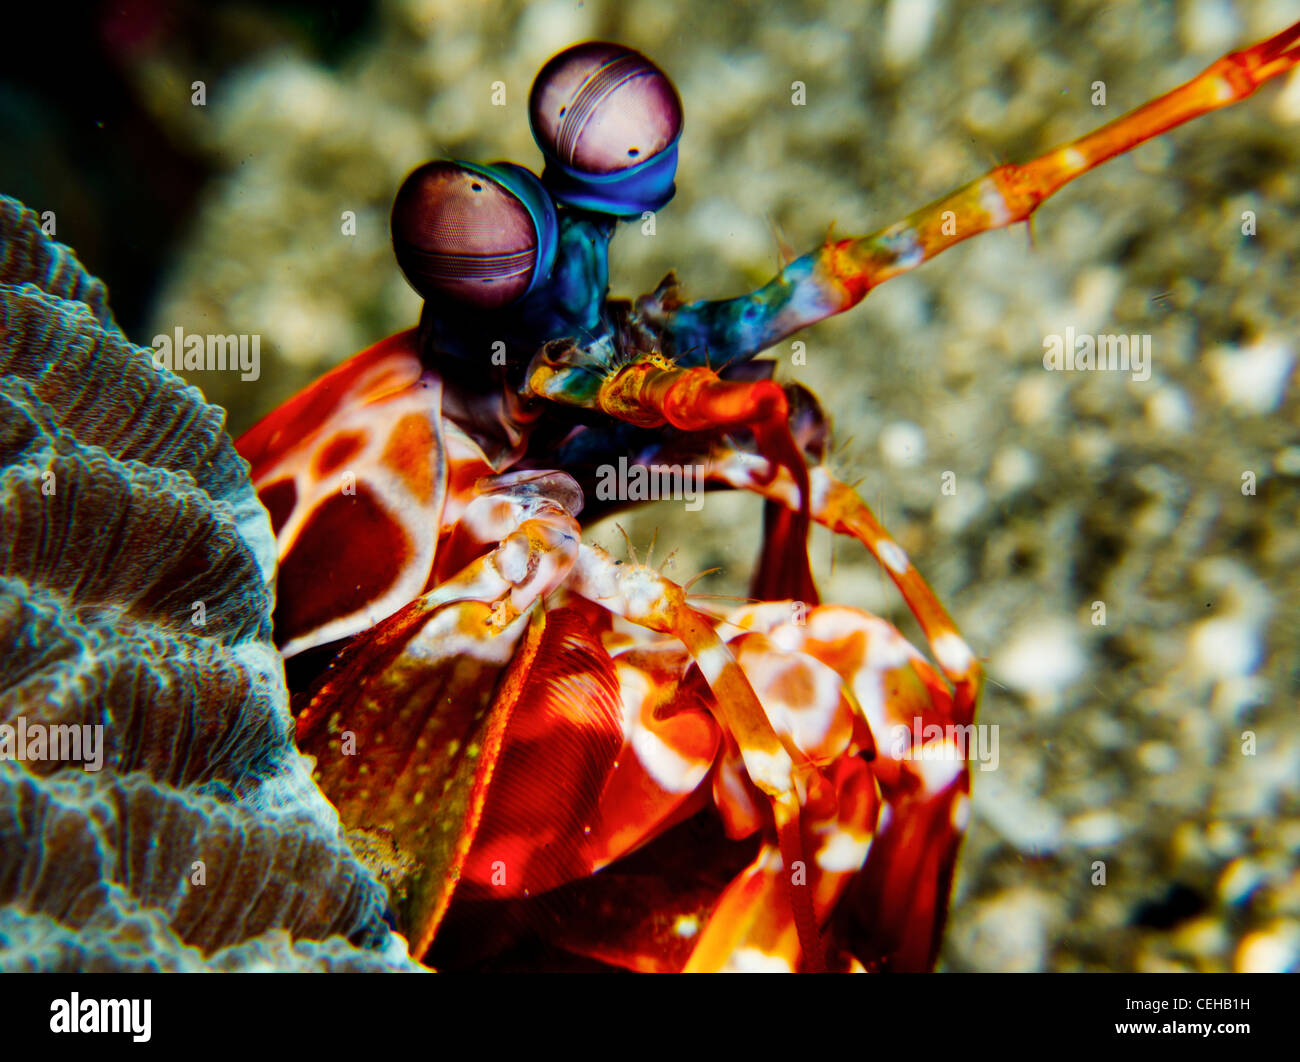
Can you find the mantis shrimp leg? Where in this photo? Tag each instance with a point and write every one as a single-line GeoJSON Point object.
{"type": "Point", "coordinates": [838, 507]}
{"type": "Point", "coordinates": [652, 391]}
{"type": "Point", "coordinates": [405, 726]}
{"type": "Point", "coordinates": [838, 275]}
{"type": "Point", "coordinates": [644, 597]}
{"type": "Point", "coordinates": [697, 399]}
{"type": "Point", "coordinates": [442, 730]}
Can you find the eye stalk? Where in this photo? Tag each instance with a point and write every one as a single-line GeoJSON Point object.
{"type": "Point", "coordinates": [608, 121]}
{"type": "Point", "coordinates": [483, 236]}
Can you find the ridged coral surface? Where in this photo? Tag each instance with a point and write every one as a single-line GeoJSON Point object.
{"type": "Point", "coordinates": [136, 587]}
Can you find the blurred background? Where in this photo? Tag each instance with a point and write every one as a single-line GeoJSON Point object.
{"type": "Point", "coordinates": [1122, 742]}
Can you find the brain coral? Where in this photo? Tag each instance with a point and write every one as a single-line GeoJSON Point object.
{"type": "Point", "coordinates": [136, 588]}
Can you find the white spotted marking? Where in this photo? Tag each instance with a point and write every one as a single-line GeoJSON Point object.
{"type": "Point", "coordinates": [751, 960]}
{"type": "Point", "coordinates": [772, 772]}
{"type": "Point", "coordinates": [887, 649]}
{"type": "Point", "coordinates": [668, 768]}
{"type": "Point", "coordinates": [713, 660]}
{"type": "Point", "coordinates": [671, 771]}
{"type": "Point", "coordinates": [807, 722]}
{"type": "Point", "coordinates": [686, 926]}
{"type": "Point", "coordinates": [960, 817]}
{"type": "Point", "coordinates": [953, 653]}
{"type": "Point", "coordinates": [819, 484]}
{"type": "Point", "coordinates": [770, 860]}
{"type": "Point", "coordinates": [893, 557]}
{"type": "Point", "coordinates": [939, 764]}
{"type": "Point", "coordinates": [843, 853]}
{"type": "Point", "coordinates": [993, 203]}
{"type": "Point", "coordinates": [869, 692]}
{"type": "Point", "coordinates": [906, 247]}
{"type": "Point", "coordinates": [1074, 159]}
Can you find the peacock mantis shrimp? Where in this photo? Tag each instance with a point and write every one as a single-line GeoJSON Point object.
{"type": "Point", "coordinates": [546, 753]}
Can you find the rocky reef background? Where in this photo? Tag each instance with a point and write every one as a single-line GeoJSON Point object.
{"type": "Point", "coordinates": [1119, 743]}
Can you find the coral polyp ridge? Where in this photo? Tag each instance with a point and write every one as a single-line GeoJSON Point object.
{"type": "Point", "coordinates": [136, 590]}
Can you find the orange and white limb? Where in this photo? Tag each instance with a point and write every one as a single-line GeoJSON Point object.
{"type": "Point", "coordinates": [838, 275]}
{"type": "Point", "coordinates": [780, 770]}
{"type": "Point", "coordinates": [838, 507]}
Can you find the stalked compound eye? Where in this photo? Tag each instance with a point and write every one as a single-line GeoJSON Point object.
{"type": "Point", "coordinates": [481, 235]}
{"type": "Point", "coordinates": [608, 121]}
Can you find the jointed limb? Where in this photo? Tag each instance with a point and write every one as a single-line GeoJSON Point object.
{"type": "Point", "coordinates": [838, 275]}
{"type": "Point", "coordinates": [646, 598]}
{"type": "Point", "coordinates": [653, 391]}
{"type": "Point", "coordinates": [837, 506]}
